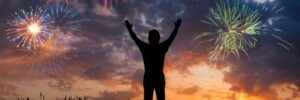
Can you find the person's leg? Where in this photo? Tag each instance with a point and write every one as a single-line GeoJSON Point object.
{"type": "Point", "coordinates": [160, 88]}
{"type": "Point", "coordinates": [148, 88]}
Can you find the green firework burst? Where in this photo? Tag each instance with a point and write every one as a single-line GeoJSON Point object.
{"type": "Point", "coordinates": [236, 26]}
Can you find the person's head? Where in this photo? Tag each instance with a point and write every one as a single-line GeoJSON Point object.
{"type": "Point", "coordinates": [153, 37]}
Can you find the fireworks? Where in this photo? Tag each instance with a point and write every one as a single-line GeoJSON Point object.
{"type": "Point", "coordinates": [54, 55]}
{"type": "Point", "coordinates": [65, 19]}
{"type": "Point", "coordinates": [237, 27]}
{"type": "Point", "coordinates": [236, 30]}
{"type": "Point", "coordinates": [50, 58]}
{"type": "Point", "coordinates": [48, 36]}
{"type": "Point", "coordinates": [29, 29]}
{"type": "Point", "coordinates": [271, 14]}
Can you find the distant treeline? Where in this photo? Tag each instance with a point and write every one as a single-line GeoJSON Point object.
{"type": "Point", "coordinates": [42, 97]}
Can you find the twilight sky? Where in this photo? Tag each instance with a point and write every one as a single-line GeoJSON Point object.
{"type": "Point", "coordinates": [104, 63]}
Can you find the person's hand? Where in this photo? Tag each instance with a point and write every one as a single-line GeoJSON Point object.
{"type": "Point", "coordinates": [128, 24]}
{"type": "Point", "coordinates": [177, 22]}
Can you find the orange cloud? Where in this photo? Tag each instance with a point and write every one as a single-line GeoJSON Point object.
{"type": "Point", "coordinates": [183, 61]}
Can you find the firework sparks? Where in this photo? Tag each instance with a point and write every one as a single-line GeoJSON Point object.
{"type": "Point", "coordinates": [271, 14]}
{"type": "Point", "coordinates": [66, 22]}
{"type": "Point", "coordinates": [48, 35]}
{"type": "Point", "coordinates": [49, 59]}
{"type": "Point", "coordinates": [54, 54]}
{"type": "Point", "coordinates": [29, 29]}
{"type": "Point", "coordinates": [236, 30]}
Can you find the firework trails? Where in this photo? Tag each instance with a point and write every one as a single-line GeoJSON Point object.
{"type": "Point", "coordinates": [48, 35]}
{"type": "Point", "coordinates": [237, 27]}
{"type": "Point", "coordinates": [53, 56]}
{"type": "Point", "coordinates": [271, 14]}
{"type": "Point", "coordinates": [66, 21]}
{"type": "Point", "coordinates": [49, 59]}
{"type": "Point", "coordinates": [29, 29]}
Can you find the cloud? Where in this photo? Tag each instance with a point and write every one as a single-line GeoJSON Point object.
{"type": "Point", "coordinates": [107, 54]}
{"type": "Point", "coordinates": [7, 89]}
{"type": "Point", "coordinates": [257, 75]}
{"type": "Point", "coordinates": [116, 95]}
{"type": "Point", "coordinates": [189, 91]}
{"type": "Point", "coordinates": [183, 61]}
{"type": "Point", "coordinates": [104, 11]}
{"type": "Point", "coordinates": [61, 85]}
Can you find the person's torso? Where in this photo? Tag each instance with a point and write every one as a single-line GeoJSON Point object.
{"type": "Point", "coordinates": [154, 57]}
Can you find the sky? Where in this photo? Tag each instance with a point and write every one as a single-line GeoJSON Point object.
{"type": "Point", "coordinates": [102, 62]}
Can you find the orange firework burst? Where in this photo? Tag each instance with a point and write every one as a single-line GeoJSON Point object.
{"type": "Point", "coordinates": [29, 29]}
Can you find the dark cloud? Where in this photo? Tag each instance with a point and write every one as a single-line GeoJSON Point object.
{"type": "Point", "coordinates": [269, 65]}
{"type": "Point", "coordinates": [99, 73]}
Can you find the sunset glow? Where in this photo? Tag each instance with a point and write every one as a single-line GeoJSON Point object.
{"type": "Point", "coordinates": [71, 49]}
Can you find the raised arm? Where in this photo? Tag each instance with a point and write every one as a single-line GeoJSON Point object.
{"type": "Point", "coordinates": [169, 41]}
{"type": "Point", "coordinates": [132, 34]}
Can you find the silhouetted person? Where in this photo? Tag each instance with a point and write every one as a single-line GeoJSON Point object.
{"type": "Point", "coordinates": [154, 56]}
